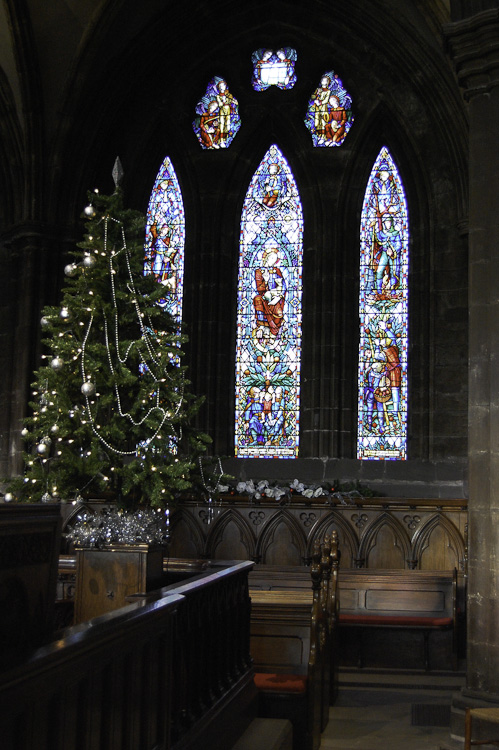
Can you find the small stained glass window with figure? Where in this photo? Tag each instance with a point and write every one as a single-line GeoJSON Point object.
{"type": "Point", "coordinates": [217, 116]}
{"type": "Point", "coordinates": [383, 312]}
{"type": "Point", "coordinates": [273, 68]}
{"type": "Point", "coordinates": [329, 113]}
{"type": "Point", "coordinates": [269, 314]}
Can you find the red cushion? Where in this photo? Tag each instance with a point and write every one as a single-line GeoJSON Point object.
{"type": "Point", "coordinates": [396, 621]}
{"type": "Point", "coordinates": [281, 683]}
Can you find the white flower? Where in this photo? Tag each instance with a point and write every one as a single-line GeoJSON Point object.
{"type": "Point", "coordinates": [262, 485]}
{"type": "Point", "coordinates": [223, 487]}
{"type": "Point", "coordinates": [297, 486]}
{"type": "Point", "coordinates": [308, 493]}
{"type": "Point", "coordinates": [278, 492]}
{"type": "Point", "coordinates": [318, 492]}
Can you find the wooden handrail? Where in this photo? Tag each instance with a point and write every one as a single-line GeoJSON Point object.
{"type": "Point", "coordinates": [169, 670]}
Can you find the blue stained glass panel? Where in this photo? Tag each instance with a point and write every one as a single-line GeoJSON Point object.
{"type": "Point", "coordinates": [329, 114]}
{"type": "Point", "coordinates": [273, 68]}
{"type": "Point", "coordinates": [217, 116]}
{"type": "Point", "coordinates": [165, 238]}
{"type": "Point", "coordinates": [383, 311]}
{"type": "Point", "coordinates": [269, 314]}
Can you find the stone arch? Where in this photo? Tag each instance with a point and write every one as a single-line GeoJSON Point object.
{"type": "Point", "coordinates": [230, 538]}
{"type": "Point", "coordinates": [347, 539]}
{"type": "Point", "coordinates": [282, 541]}
{"type": "Point", "coordinates": [438, 545]}
{"type": "Point", "coordinates": [385, 544]}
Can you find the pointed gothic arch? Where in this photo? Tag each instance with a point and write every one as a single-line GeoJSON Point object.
{"type": "Point", "coordinates": [384, 525]}
{"type": "Point", "coordinates": [347, 540]}
{"type": "Point", "coordinates": [165, 238]}
{"type": "Point", "coordinates": [383, 312]}
{"type": "Point", "coordinates": [282, 524]}
{"type": "Point", "coordinates": [268, 354]}
{"type": "Point", "coordinates": [231, 534]}
{"type": "Point", "coordinates": [425, 546]}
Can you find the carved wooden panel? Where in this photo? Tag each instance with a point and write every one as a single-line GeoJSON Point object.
{"type": "Point", "coordinates": [373, 533]}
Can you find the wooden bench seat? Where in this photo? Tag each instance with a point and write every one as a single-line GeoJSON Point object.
{"type": "Point", "coordinates": [291, 635]}
{"type": "Point", "coordinates": [417, 600]}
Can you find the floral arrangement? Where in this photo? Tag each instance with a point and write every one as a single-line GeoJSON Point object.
{"type": "Point", "coordinates": [346, 494]}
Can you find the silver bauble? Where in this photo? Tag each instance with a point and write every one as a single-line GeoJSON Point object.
{"type": "Point", "coordinates": [89, 211]}
{"type": "Point", "coordinates": [46, 440]}
{"type": "Point", "coordinates": [71, 269]}
{"type": "Point", "coordinates": [8, 497]}
{"type": "Point", "coordinates": [24, 432]}
{"type": "Point", "coordinates": [88, 261]}
{"type": "Point", "coordinates": [54, 429]}
{"type": "Point", "coordinates": [64, 314]}
{"type": "Point", "coordinates": [42, 449]}
{"type": "Point", "coordinates": [46, 498]}
{"type": "Point", "coordinates": [88, 388]}
{"type": "Point", "coordinates": [44, 322]}
{"type": "Point", "coordinates": [57, 364]}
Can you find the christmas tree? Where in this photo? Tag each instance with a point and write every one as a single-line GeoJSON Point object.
{"type": "Point", "coordinates": [111, 411]}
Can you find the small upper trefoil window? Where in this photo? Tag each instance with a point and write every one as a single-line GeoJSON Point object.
{"type": "Point", "coordinates": [273, 68]}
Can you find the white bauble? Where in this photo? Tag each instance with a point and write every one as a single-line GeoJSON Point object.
{"type": "Point", "coordinates": [88, 388]}
{"type": "Point", "coordinates": [70, 269]}
{"type": "Point", "coordinates": [89, 211]}
{"type": "Point", "coordinates": [57, 364]}
{"type": "Point", "coordinates": [88, 261]}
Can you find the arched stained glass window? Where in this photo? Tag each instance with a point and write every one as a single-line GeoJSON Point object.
{"type": "Point", "coordinates": [217, 116]}
{"type": "Point", "coordinates": [273, 68]}
{"type": "Point", "coordinates": [269, 314]}
{"type": "Point", "coordinates": [383, 309]}
{"type": "Point", "coordinates": [165, 237]}
{"type": "Point", "coordinates": [329, 113]}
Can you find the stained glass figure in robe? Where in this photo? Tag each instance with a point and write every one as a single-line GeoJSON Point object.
{"type": "Point", "coordinates": [329, 114]}
{"type": "Point", "coordinates": [273, 68]}
{"type": "Point", "coordinates": [269, 314]}
{"type": "Point", "coordinates": [165, 238]}
{"type": "Point", "coordinates": [217, 116]}
{"type": "Point", "coordinates": [383, 310]}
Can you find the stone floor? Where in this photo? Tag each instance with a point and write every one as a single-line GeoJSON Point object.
{"type": "Point", "coordinates": [390, 711]}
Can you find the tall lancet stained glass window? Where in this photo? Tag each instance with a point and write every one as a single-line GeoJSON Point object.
{"type": "Point", "coordinates": [383, 310]}
{"type": "Point", "coordinates": [165, 238]}
{"type": "Point", "coordinates": [269, 314]}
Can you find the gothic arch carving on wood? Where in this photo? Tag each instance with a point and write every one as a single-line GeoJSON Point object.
{"type": "Point", "coordinates": [230, 538]}
{"type": "Point", "coordinates": [396, 556]}
{"type": "Point", "coordinates": [426, 552]}
{"type": "Point", "coordinates": [347, 539]}
{"type": "Point", "coordinates": [281, 524]}
{"type": "Point", "coordinates": [187, 539]}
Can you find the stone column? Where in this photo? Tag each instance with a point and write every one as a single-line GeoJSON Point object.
{"type": "Point", "coordinates": [474, 46]}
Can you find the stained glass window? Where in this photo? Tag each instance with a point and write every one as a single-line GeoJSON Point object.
{"type": "Point", "coordinates": [383, 310]}
{"type": "Point", "coordinates": [329, 113]}
{"type": "Point", "coordinates": [273, 68]}
{"type": "Point", "coordinates": [269, 314]}
{"type": "Point", "coordinates": [165, 237]}
{"type": "Point", "coordinates": [217, 116]}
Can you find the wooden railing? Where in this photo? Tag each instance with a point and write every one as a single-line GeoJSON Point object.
{"type": "Point", "coordinates": [166, 672]}
{"type": "Point", "coordinates": [212, 669]}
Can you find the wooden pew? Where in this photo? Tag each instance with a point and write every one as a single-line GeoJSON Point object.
{"type": "Point", "coordinates": [415, 600]}
{"type": "Point", "coordinates": [290, 646]}
{"type": "Point", "coordinates": [404, 600]}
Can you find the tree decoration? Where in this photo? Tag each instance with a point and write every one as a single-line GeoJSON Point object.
{"type": "Point", "coordinates": [112, 410]}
